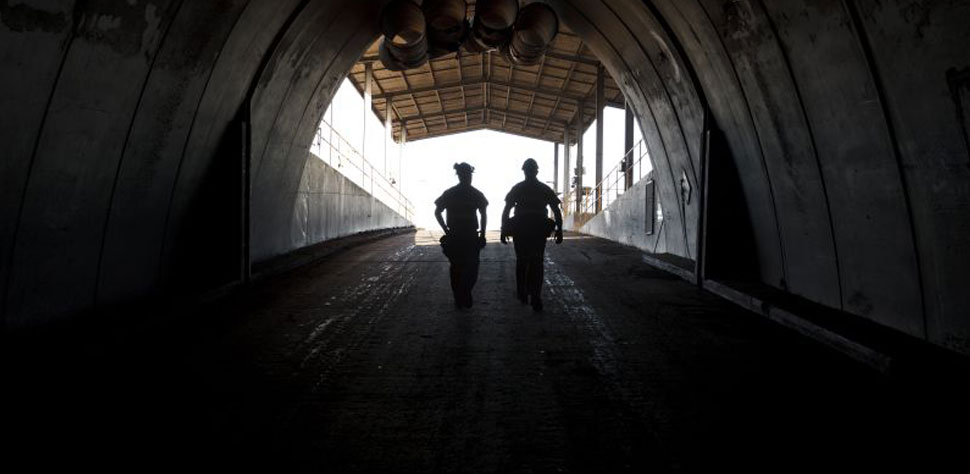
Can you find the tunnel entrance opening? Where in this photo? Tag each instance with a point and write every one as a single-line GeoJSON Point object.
{"type": "Point", "coordinates": [496, 151]}
{"type": "Point", "coordinates": [564, 97]}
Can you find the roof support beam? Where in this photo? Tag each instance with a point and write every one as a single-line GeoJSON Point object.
{"type": "Point", "coordinates": [561, 94]}
{"type": "Point", "coordinates": [573, 57]}
{"type": "Point", "coordinates": [470, 110]}
{"type": "Point", "coordinates": [552, 54]}
{"type": "Point", "coordinates": [564, 88]}
{"type": "Point", "coordinates": [532, 101]}
{"type": "Point", "coordinates": [461, 78]}
{"type": "Point", "coordinates": [404, 76]}
{"type": "Point", "coordinates": [508, 95]}
{"type": "Point", "coordinates": [485, 74]}
{"type": "Point", "coordinates": [434, 82]}
{"type": "Point", "coordinates": [533, 133]}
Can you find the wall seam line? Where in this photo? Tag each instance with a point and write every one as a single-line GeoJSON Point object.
{"type": "Point", "coordinates": [754, 127]}
{"type": "Point", "coordinates": [811, 133]}
{"type": "Point", "coordinates": [185, 145]}
{"type": "Point", "coordinates": [290, 84]}
{"type": "Point", "coordinates": [124, 150]}
{"type": "Point", "coordinates": [4, 309]}
{"type": "Point", "coordinates": [863, 38]}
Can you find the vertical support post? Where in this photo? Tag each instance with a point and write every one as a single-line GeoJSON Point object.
{"type": "Point", "coordinates": [388, 130]}
{"type": "Point", "coordinates": [368, 104]}
{"type": "Point", "coordinates": [330, 145]}
{"type": "Point", "coordinates": [629, 158]}
{"type": "Point", "coordinates": [555, 167]}
{"type": "Point", "coordinates": [400, 168]}
{"type": "Point", "coordinates": [600, 105]}
{"type": "Point", "coordinates": [368, 100]}
{"type": "Point", "coordinates": [579, 157]}
{"type": "Point", "coordinates": [566, 162]}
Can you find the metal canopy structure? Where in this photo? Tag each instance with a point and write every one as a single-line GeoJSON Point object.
{"type": "Point", "coordinates": [462, 92]}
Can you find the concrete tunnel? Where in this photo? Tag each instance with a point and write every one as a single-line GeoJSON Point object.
{"type": "Point", "coordinates": [154, 149]}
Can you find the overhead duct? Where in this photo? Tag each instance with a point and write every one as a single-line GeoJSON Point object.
{"type": "Point", "coordinates": [405, 44]}
{"type": "Point", "coordinates": [535, 28]}
{"type": "Point", "coordinates": [415, 31]}
{"type": "Point", "coordinates": [446, 25]}
{"type": "Point", "coordinates": [493, 24]}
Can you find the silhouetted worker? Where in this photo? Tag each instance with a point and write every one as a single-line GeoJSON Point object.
{"type": "Point", "coordinates": [529, 229]}
{"type": "Point", "coordinates": [463, 239]}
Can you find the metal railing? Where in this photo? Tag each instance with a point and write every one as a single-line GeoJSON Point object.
{"type": "Point", "coordinates": [337, 151]}
{"type": "Point", "coordinates": [613, 184]}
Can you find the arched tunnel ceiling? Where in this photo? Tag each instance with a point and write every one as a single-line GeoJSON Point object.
{"type": "Point", "coordinates": [156, 146]}
{"type": "Point", "coordinates": [472, 91]}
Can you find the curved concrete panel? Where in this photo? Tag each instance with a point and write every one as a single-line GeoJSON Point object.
{"type": "Point", "coordinates": [191, 233]}
{"type": "Point", "coordinates": [626, 61]}
{"type": "Point", "coordinates": [787, 148]}
{"type": "Point", "coordinates": [289, 104]}
{"type": "Point", "coordinates": [730, 111]}
{"type": "Point", "coordinates": [130, 124]}
{"type": "Point", "coordinates": [797, 91]}
{"type": "Point", "coordinates": [154, 145]}
{"type": "Point", "coordinates": [32, 46]}
{"type": "Point", "coordinates": [917, 59]}
{"type": "Point", "coordinates": [853, 147]}
{"type": "Point", "coordinates": [55, 256]}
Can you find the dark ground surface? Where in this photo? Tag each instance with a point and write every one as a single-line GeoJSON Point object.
{"type": "Point", "coordinates": [360, 363]}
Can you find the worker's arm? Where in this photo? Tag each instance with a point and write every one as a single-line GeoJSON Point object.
{"type": "Point", "coordinates": [558, 215]}
{"type": "Point", "coordinates": [481, 211]}
{"type": "Point", "coordinates": [505, 221]}
{"type": "Point", "coordinates": [441, 220]}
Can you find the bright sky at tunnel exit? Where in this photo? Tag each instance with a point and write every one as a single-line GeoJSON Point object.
{"type": "Point", "coordinates": [424, 169]}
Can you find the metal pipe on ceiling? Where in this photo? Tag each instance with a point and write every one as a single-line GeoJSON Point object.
{"type": "Point", "coordinates": [493, 23]}
{"type": "Point", "coordinates": [446, 24]}
{"type": "Point", "coordinates": [535, 29]}
{"type": "Point", "coordinates": [405, 44]}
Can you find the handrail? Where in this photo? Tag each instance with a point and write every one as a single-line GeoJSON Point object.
{"type": "Point", "coordinates": [613, 184]}
{"type": "Point", "coordinates": [331, 143]}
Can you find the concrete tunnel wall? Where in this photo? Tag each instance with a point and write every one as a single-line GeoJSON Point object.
{"type": "Point", "coordinates": [329, 205]}
{"type": "Point", "coordinates": [844, 124]}
{"type": "Point", "coordinates": [625, 221]}
{"type": "Point", "coordinates": [122, 176]}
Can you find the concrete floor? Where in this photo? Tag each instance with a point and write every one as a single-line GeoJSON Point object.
{"type": "Point", "coordinates": [360, 363]}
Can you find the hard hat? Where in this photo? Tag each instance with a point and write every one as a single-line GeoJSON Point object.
{"type": "Point", "coordinates": [464, 167]}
